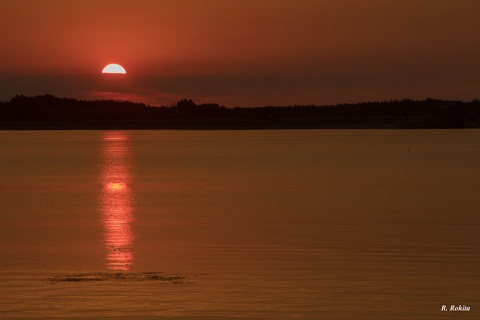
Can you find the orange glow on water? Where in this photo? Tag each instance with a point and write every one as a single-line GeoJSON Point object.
{"type": "Point", "coordinates": [116, 201]}
{"type": "Point", "coordinates": [116, 186]}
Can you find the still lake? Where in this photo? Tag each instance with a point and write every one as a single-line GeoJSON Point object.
{"type": "Point", "coordinates": [274, 224]}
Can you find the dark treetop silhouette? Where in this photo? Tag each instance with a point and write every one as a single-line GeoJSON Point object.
{"type": "Point", "coordinates": [50, 112]}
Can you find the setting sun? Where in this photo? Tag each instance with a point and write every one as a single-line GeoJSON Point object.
{"type": "Point", "coordinates": [114, 68]}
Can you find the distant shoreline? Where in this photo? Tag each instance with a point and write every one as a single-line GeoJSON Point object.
{"type": "Point", "coordinates": [48, 112]}
{"type": "Point", "coordinates": [234, 124]}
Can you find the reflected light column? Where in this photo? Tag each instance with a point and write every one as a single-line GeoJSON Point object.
{"type": "Point", "coordinates": [116, 201]}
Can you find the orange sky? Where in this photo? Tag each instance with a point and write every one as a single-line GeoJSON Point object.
{"type": "Point", "coordinates": [242, 52]}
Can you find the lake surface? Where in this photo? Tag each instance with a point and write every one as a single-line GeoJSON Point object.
{"type": "Point", "coordinates": [281, 224]}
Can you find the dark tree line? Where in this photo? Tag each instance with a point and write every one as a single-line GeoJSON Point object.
{"type": "Point", "coordinates": [51, 108]}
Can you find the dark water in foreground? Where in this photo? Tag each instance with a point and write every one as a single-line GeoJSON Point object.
{"type": "Point", "coordinates": [305, 224]}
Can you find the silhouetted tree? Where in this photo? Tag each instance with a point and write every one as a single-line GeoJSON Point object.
{"type": "Point", "coordinates": [50, 108]}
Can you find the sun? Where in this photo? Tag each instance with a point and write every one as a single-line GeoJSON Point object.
{"type": "Point", "coordinates": [114, 68]}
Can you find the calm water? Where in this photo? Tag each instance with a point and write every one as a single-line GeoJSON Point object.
{"type": "Point", "coordinates": [307, 224]}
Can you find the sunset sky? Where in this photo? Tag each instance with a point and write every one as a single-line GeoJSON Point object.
{"type": "Point", "coordinates": [242, 52]}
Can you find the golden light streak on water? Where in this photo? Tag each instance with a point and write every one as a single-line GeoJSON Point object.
{"type": "Point", "coordinates": [116, 201]}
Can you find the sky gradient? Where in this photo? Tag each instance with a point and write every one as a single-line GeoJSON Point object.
{"type": "Point", "coordinates": [242, 52]}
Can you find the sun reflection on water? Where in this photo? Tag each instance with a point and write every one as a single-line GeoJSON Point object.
{"type": "Point", "coordinates": [116, 201]}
